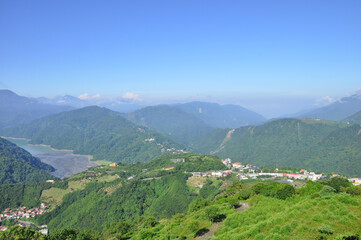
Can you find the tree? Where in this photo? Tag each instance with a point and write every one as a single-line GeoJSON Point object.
{"type": "Point", "coordinates": [337, 183]}
{"type": "Point", "coordinates": [197, 204]}
{"type": "Point", "coordinates": [212, 213]}
{"type": "Point", "coordinates": [193, 226]}
{"type": "Point", "coordinates": [285, 191]}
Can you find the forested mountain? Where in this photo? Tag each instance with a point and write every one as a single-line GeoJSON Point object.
{"type": "Point", "coordinates": [222, 116]}
{"type": "Point", "coordinates": [320, 145]}
{"type": "Point", "coordinates": [171, 121]}
{"type": "Point", "coordinates": [338, 110]}
{"type": "Point", "coordinates": [19, 166]}
{"type": "Point", "coordinates": [99, 132]}
{"type": "Point", "coordinates": [354, 119]}
{"type": "Point", "coordinates": [15, 109]}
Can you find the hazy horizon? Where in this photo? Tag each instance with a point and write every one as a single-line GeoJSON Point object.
{"type": "Point", "coordinates": [274, 58]}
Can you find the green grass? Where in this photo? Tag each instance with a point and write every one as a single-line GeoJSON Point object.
{"type": "Point", "coordinates": [295, 218]}
{"type": "Point", "coordinates": [103, 162]}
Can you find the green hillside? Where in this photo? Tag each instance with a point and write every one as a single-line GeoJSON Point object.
{"type": "Point", "coordinates": [127, 192]}
{"type": "Point", "coordinates": [354, 119]}
{"type": "Point", "coordinates": [19, 166]}
{"type": "Point", "coordinates": [314, 211]}
{"type": "Point", "coordinates": [171, 121]}
{"type": "Point", "coordinates": [99, 132]}
{"type": "Point", "coordinates": [304, 143]}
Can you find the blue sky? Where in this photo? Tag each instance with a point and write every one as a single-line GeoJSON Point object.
{"type": "Point", "coordinates": [271, 56]}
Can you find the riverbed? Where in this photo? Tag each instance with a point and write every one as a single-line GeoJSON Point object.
{"type": "Point", "coordinates": [64, 161]}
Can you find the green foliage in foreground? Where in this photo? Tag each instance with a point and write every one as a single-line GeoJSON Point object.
{"type": "Point", "coordinates": [19, 166]}
{"type": "Point", "coordinates": [304, 215]}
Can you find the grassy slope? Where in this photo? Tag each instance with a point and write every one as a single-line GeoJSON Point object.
{"type": "Point", "coordinates": [299, 217]}
{"type": "Point", "coordinates": [295, 218]}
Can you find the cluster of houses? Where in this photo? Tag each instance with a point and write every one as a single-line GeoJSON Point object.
{"type": "Point", "coordinates": [239, 166]}
{"type": "Point", "coordinates": [301, 176]}
{"type": "Point", "coordinates": [250, 171]}
{"type": "Point", "coordinates": [22, 212]}
{"type": "Point", "coordinates": [256, 172]}
{"type": "Point", "coordinates": [212, 173]}
{"type": "Point", "coordinates": [163, 149]}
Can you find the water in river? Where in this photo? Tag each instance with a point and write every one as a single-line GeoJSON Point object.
{"type": "Point", "coordinates": [64, 161]}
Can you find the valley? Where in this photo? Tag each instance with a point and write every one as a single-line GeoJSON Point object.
{"type": "Point", "coordinates": [65, 163]}
{"type": "Point", "coordinates": [180, 120]}
{"type": "Point", "coordinates": [165, 173]}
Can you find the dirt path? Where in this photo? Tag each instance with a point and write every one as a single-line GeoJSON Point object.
{"type": "Point", "coordinates": [210, 234]}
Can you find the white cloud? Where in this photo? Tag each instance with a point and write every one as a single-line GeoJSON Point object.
{"type": "Point", "coordinates": [86, 96]}
{"type": "Point", "coordinates": [131, 96]}
{"type": "Point", "coordinates": [324, 101]}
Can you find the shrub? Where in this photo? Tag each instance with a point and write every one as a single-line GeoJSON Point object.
{"type": "Point", "coordinates": [327, 191]}
{"type": "Point", "coordinates": [193, 226]}
{"type": "Point", "coordinates": [353, 190]}
{"type": "Point", "coordinates": [245, 193]}
{"type": "Point", "coordinates": [212, 213]}
{"type": "Point", "coordinates": [326, 229]}
{"type": "Point", "coordinates": [197, 204]}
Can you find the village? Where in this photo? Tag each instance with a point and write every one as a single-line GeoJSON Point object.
{"type": "Point", "coordinates": [248, 171]}
{"type": "Point", "coordinates": [21, 213]}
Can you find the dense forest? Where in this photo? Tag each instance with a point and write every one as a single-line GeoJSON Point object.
{"type": "Point", "coordinates": [19, 166]}
{"type": "Point", "coordinates": [304, 143]}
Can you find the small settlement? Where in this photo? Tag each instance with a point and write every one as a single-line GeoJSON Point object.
{"type": "Point", "coordinates": [22, 213]}
{"type": "Point", "coordinates": [247, 171]}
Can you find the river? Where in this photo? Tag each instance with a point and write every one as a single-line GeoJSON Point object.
{"type": "Point", "coordinates": [64, 161]}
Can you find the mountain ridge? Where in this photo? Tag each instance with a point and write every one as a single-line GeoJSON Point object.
{"type": "Point", "coordinates": [96, 131]}
{"type": "Point", "coordinates": [19, 166]}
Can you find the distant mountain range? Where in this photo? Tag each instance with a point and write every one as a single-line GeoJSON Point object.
{"type": "Point", "coordinates": [338, 110]}
{"type": "Point", "coordinates": [19, 166]}
{"type": "Point", "coordinates": [99, 132]}
{"type": "Point", "coordinates": [15, 109]}
{"type": "Point", "coordinates": [117, 104]}
{"type": "Point", "coordinates": [222, 116]}
{"type": "Point", "coordinates": [303, 143]}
